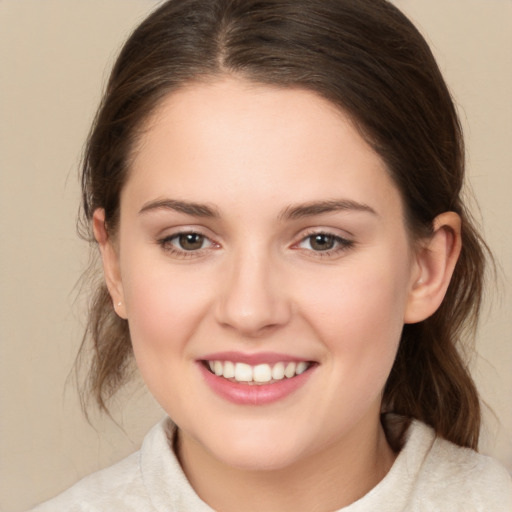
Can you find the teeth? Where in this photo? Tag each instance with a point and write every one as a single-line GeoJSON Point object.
{"type": "Point", "coordinates": [229, 370]}
{"type": "Point", "coordinates": [289, 371]}
{"type": "Point", "coordinates": [243, 372]}
{"type": "Point", "coordinates": [278, 371]}
{"type": "Point", "coordinates": [217, 368]}
{"type": "Point", "coordinates": [261, 373]}
{"type": "Point", "coordinates": [301, 368]}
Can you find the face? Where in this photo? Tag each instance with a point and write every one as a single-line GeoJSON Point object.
{"type": "Point", "coordinates": [264, 268]}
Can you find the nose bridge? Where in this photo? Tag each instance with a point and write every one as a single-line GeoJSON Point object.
{"type": "Point", "coordinates": [253, 299]}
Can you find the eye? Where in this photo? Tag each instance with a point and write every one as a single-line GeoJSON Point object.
{"type": "Point", "coordinates": [189, 241]}
{"type": "Point", "coordinates": [324, 243]}
{"type": "Point", "coordinates": [319, 242]}
{"type": "Point", "coordinates": [185, 242]}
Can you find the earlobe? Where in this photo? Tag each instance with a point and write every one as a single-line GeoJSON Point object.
{"type": "Point", "coordinates": [110, 261]}
{"type": "Point", "coordinates": [435, 263]}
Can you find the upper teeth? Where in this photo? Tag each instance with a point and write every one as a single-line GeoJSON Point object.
{"type": "Point", "coordinates": [242, 372]}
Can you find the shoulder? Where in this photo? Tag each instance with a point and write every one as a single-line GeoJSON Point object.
{"type": "Point", "coordinates": [147, 481]}
{"type": "Point", "coordinates": [117, 488]}
{"type": "Point", "coordinates": [462, 479]}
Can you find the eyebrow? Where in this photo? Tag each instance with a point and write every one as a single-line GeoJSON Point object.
{"type": "Point", "coordinates": [289, 213]}
{"type": "Point", "coordinates": [187, 207]}
{"type": "Point", "coordinates": [323, 207]}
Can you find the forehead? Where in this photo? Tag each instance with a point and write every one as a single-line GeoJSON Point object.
{"type": "Point", "coordinates": [254, 141]}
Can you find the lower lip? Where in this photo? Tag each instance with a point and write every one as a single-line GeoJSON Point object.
{"type": "Point", "coordinates": [256, 394]}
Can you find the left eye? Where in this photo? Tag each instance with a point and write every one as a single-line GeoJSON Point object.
{"type": "Point", "coordinates": [189, 241]}
{"type": "Point", "coordinates": [322, 242]}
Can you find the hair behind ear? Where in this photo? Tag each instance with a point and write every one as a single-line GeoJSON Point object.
{"type": "Point", "coordinates": [430, 379]}
{"type": "Point", "coordinates": [431, 382]}
{"type": "Point", "coordinates": [111, 363]}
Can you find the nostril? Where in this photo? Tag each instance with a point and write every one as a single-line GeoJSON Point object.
{"type": "Point", "coordinates": [252, 299]}
{"type": "Point", "coordinates": [253, 318]}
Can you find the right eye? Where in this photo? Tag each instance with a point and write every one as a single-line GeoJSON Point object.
{"type": "Point", "coordinates": [185, 242]}
{"type": "Point", "coordinates": [189, 241]}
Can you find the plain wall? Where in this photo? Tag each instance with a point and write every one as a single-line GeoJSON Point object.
{"type": "Point", "coordinates": [54, 59]}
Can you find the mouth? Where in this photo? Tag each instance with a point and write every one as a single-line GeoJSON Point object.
{"type": "Point", "coordinates": [259, 374]}
{"type": "Point", "coordinates": [255, 379]}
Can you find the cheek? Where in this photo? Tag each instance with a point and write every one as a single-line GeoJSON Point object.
{"type": "Point", "coordinates": [164, 306]}
{"type": "Point", "coordinates": [359, 298]}
{"type": "Point", "coordinates": [358, 313]}
{"type": "Point", "coordinates": [164, 310]}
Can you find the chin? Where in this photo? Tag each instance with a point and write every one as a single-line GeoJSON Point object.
{"type": "Point", "coordinates": [258, 459]}
{"type": "Point", "coordinates": [267, 448]}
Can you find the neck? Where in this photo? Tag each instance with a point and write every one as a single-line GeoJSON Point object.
{"type": "Point", "coordinates": [324, 481]}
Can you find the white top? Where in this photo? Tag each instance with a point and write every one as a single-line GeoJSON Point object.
{"type": "Point", "coordinates": [429, 474]}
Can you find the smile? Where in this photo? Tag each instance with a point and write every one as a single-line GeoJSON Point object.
{"type": "Point", "coordinates": [255, 379]}
{"type": "Point", "coordinates": [257, 374]}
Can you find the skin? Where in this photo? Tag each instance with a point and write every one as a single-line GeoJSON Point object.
{"type": "Point", "coordinates": [251, 154]}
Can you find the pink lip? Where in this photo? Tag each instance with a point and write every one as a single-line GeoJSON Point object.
{"type": "Point", "coordinates": [259, 394]}
{"type": "Point", "coordinates": [252, 359]}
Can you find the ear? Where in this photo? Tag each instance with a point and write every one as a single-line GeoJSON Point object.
{"type": "Point", "coordinates": [110, 261]}
{"type": "Point", "coordinates": [435, 263]}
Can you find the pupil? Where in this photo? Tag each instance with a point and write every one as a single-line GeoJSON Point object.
{"type": "Point", "coordinates": [191, 241]}
{"type": "Point", "coordinates": [322, 242]}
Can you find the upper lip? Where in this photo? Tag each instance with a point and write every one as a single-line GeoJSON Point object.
{"type": "Point", "coordinates": [253, 359]}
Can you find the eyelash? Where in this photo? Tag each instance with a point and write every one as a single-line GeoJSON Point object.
{"type": "Point", "coordinates": [169, 248]}
{"type": "Point", "coordinates": [341, 244]}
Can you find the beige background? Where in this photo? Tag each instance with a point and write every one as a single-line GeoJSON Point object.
{"type": "Point", "coordinates": [55, 55]}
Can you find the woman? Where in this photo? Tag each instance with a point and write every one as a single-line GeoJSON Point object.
{"type": "Point", "coordinates": [275, 191]}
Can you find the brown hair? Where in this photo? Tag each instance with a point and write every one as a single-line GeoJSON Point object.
{"type": "Point", "coordinates": [365, 57]}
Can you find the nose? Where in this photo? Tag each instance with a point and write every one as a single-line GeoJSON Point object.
{"type": "Point", "coordinates": [253, 299]}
